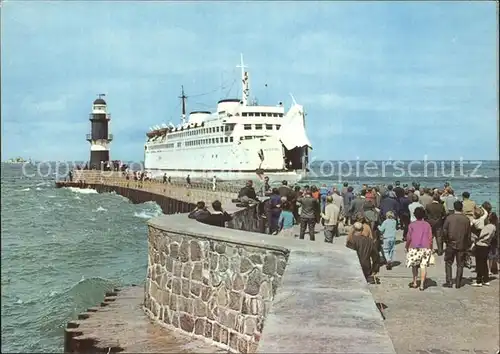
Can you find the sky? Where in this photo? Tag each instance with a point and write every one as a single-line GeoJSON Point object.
{"type": "Point", "coordinates": [378, 80]}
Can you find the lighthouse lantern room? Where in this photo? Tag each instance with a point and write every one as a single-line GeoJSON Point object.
{"type": "Point", "coordinates": [99, 137]}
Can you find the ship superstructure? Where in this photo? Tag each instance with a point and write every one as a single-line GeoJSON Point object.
{"type": "Point", "coordinates": [240, 140]}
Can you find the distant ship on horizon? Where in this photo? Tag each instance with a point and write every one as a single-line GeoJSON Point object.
{"type": "Point", "coordinates": [18, 160]}
{"type": "Point", "coordinates": [240, 140]}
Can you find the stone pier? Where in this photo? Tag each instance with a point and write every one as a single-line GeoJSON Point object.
{"type": "Point", "coordinates": [174, 197]}
{"type": "Point", "coordinates": [118, 324]}
{"type": "Point", "coordinates": [248, 292]}
{"type": "Point", "coordinates": [211, 289]}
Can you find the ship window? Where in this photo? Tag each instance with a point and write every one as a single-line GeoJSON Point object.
{"type": "Point", "coordinates": [258, 126]}
{"type": "Point", "coordinates": [213, 141]}
{"type": "Point", "coordinates": [248, 137]}
{"type": "Point", "coordinates": [244, 114]}
{"type": "Point", "coordinates": [226, 128]}
{"type": "Point", "coordinates": [241, 137]}
{"type": "Point", "coordinates": [269, 126]}
{"type": "Point", "coordinates": [178, 144]}
{"type": "Point", "coordinates": [280, 114]}
{"type": "Point", "coordinates": [231, 139]}
{"type": "Point", "coordinates": [269, 114]}
{"type": "Point", "coordinates": [250, 114]}
{"type": "Point", "coordinates": [217, 129]}
{"type": "Point", "coordinates": [216, 140]}
{"type": "Point", "coordinates": [225, 139]}
{"type": "Point", "coordinates": [247, 126]}
{"type": "Point", "coordinates": [257, 114]}
{"type": "Point", "coordinates": [278, 127]}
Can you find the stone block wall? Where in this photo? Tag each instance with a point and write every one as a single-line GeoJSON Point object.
{"type": "Point", "coordinates": [247, 219]}
{"type": "Point", "coordinates": [219, 290]}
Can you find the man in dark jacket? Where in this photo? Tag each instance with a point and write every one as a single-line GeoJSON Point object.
{"type": "Point", "coordinates": [457, 235]}
{"type": "Point", "coordinates": [358, 204]}
{"type": "Point", "coordinates": [404, 214]}
{"type": "Point", "coordinates": [308, 214]}
{"type": "Point", "coordinates": [200, 213]}
{"type": "Point", "coordinates": [248, 191]}
{"type": "Point", "coordinates": [284, 190]}
{"type": "Point", "coordinates": [389, 203]}
{"type": "Point", "coordinates": [366, 250]}
{"type": "Point", "coordinates": [400, 192]}
{"type": "Point", "coordinates": [435, 217]}
{"type": "Point", "coordinates": [348, 197]}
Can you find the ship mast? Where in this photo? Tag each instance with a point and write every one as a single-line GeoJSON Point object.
{"type": "Point", "coordinates": [183, 98]}
{"type": "Point", "coordinates": [245, 88]}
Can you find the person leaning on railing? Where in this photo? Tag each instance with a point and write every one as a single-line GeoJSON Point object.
{"type": "Point", "coordinates": [218, 217]}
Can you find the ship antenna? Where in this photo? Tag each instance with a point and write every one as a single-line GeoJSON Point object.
{"type": "Point", "coordinates": [183, 98]}
{"type": "Point", "coordinates": [293, 99]}
{"type": "Point", "coordinates": [245, 90]}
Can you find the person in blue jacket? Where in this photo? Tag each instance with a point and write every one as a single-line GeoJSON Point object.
{"type": "Point", "coordinates": [323, 193]}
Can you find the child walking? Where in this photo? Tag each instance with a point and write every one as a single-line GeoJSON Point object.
{"type": "Point", "coordinates": [388, 230]}
{"type": "Point", "coordinates": [286, 220]}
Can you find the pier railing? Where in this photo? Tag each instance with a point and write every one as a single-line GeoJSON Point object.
{"type": "Point", "coordinates": [176, 189]}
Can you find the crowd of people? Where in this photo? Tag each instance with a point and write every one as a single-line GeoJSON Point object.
{"type": "Point", "coordinates": [461, 229]}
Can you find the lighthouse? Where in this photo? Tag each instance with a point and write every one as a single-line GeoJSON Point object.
{"type": "Point", "coordinates": [99, 137]}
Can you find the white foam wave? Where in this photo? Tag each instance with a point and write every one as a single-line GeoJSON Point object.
{"type": "Point", "coordinates": [151, 210]}
{"type": "Point", "coordinates": [25, 189]}
{"type": "Point", "coordinates": [100, 209]}
{"type": "Point", "coordinates": [78, 198]}
{"type": "Point", "coordinates": [144, 215]}
{"type": "Point", "coordinates": [42, 184]}
{"type": "Point", "coordinates": [38, 188]}
{"type": "Point", "coordinates": [82, 191]}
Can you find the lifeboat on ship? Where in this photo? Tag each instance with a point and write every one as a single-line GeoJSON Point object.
{"type": "Point", "coordinates": [154, 133]}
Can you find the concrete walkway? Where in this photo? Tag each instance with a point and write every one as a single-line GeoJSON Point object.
{"type": "Point", "coordinates": [437, 320]}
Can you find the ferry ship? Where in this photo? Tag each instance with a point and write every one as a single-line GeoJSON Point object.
{"type": "Point", "coordinates": [240, 140]}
